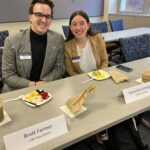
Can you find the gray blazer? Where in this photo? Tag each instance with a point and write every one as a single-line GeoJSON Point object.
{"type": "Point", "coordinates": [16, 71]}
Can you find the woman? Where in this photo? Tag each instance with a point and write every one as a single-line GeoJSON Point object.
{"type": "Point", "coordinates": [85, 50]}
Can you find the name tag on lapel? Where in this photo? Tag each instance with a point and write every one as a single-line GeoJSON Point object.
{"type": "Point", "coordinates": [76, 59]}
{"type": "Point", "coordinates": [25, 55]}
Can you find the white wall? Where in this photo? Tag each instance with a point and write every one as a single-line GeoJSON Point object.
{"type": "Point", "coordinates": [56, 25]}
{"type": "Point", "coordinates": [113, 6]}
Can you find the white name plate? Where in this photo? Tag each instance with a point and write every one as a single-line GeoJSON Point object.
{"type": "Point", "coordinates": [136, 92]}
{"type": "Point", "coordinates": [36, 134]}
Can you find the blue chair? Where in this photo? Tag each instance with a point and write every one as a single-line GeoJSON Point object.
{"type": "Point", "coordinates": [147, 39]}
{"type": "Point", "coordinates": [65, 30]}
{"type": "Point", "coordinates": [3, 35]}
{"type": "Point", "coordinates": [112, 47]}
{"type": "Point", "coordinates": [135, 47]}
{"type": "Point", "coordinates": [101, 27]}
{"type": "Point", "coordinates": [116, 25]}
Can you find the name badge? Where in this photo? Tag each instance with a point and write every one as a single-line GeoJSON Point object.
{"type": "Point", "coordinates": [76, 59]}
{"type": "Point", "coordinates": [25, 55]}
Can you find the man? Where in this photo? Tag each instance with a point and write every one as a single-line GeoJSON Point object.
{"type": "Point", "coordinates": [34, 56]}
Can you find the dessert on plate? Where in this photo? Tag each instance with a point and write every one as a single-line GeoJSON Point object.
{"type": "Point", "coordinates": [36, 96]}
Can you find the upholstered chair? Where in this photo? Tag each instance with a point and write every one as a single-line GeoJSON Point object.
{"type": "Point", "coordinates": [65, 30]}
{"type": "Point", "coordinates": [116, 25]}
{"type": "Point", "coordinates": [3, 35]}
{"type": "Point", "coordinates": [100, 26]}
{"type": "Point", "coordinates": [135, 47]}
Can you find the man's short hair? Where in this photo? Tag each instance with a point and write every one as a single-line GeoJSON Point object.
{"type": "Point", "coordinates": [48, 2]}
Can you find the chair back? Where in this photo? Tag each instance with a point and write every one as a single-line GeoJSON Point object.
{"type": "Point", "coordinates": [65, 30]}
{"type": "Point", "coordinates": [147, 39]}
{"type": "Point", "coordinates": [3, 35]}
{"type": "Point", "coordinates": [101, 27]}
{"type": "Point", "coordinates": [135, 47]}
{"type": "Point", "coordinates": [116, 25]}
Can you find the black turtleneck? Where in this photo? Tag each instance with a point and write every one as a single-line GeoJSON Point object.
{"type": "Point", "coordinates": [38, 48]}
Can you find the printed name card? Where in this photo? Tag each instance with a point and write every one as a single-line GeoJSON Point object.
{"type": "Point", "coordinates": [36, 134]}
{"type": "Point", "coordinates": [136, 92]}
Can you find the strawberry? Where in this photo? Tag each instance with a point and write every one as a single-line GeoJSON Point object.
{"type": "Point", "coordinates": [44, 95]}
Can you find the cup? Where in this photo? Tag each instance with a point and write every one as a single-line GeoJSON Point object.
{"type": "Point", "coordinates": [1, 111]}
{"type": "Point", "coordinates": [146, 76]}
{"type": "Point", "coordinates": [146, 71]}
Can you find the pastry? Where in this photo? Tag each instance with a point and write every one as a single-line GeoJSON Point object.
{"type": "Point", "coordinates": [118, 76]}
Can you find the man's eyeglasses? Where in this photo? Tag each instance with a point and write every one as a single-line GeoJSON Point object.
{"type": "Point", "coordinates": [41, 16]}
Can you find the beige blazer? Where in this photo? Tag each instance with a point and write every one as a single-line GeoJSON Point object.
{"type": "Point", "coordinates": [99, 51]}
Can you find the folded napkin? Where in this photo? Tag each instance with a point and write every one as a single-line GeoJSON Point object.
{"type": "Point", "coordinates": [118, 76]}
{"type": "Point", "coordinates": [75, 103]}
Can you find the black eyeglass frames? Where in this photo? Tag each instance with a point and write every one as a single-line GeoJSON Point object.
{"type": "Point", "coordinates": [41, 16]}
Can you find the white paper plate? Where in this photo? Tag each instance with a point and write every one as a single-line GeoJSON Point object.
{"type": "Point", "coordinates": [39, 103]}
{"type": "Point", "coordinates": [139, 80]}
{"type": "Point", "coordinates": [66, 110]}
{"type": "Point", "coordinates": [106, 75]}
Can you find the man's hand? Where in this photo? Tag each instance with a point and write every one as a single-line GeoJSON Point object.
{"type": "Point", "coordinates": [31, 83]}
{"type": "Point", "coordinates": [40, 82]}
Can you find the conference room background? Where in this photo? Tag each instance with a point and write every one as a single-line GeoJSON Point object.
{"type": "Point", "coordinates": [18, 9]}
{"type": "Point", "coordinates": [110, 9]}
